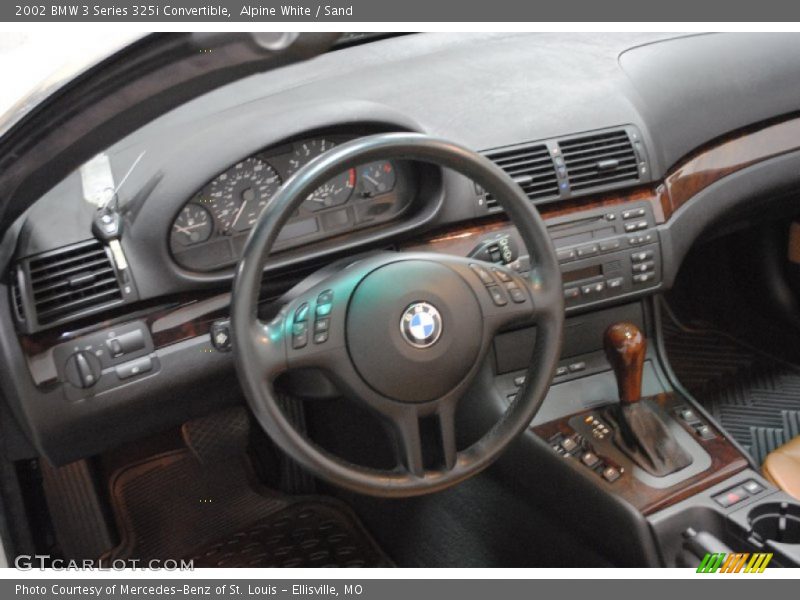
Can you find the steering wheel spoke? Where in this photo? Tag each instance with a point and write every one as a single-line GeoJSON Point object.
{"type": "Point", "coordinates": [268, 344]}
{"type": "Point", "coordinates": [408, 441]}
{"type": "Point", "coordinates": [411, 446]}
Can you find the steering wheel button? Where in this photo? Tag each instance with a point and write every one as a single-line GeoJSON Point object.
{"type": "Point", "coordinates": [321, 325]}
{"type": "Point", "coordinates": [301, 314]}
{"type": "Point", "coordinates": [498, 297]}
{"type": "Point", "coordinates": [502, 276]}
{"type": "Point", "coordinates": [299, 329]}
{"type": "Point", "coordinates": [321, 337]}
{"type": "Point", "coordinates": [300, 341]}
{"type": "Point", "coordinates": [486, 278]}
{"type": "Point", "coordinates": [323, 310]}
{"type": "Point", "coordinates": [325, 297]}
{"type": "Point", "coordinates": [517, 295]}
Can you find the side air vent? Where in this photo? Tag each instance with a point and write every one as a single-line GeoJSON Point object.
{"type": "Point", "coordinates": [71, 282]}
{"type": "Point", "coordinates": [599, 160]}
{"type": "Point", "coordinates": [531, 166]}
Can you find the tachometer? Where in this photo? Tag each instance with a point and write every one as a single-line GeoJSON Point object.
{"type": "Point", "coordinates": [192, 225]}
{"type": "Point", "coordinates": [237, 196]}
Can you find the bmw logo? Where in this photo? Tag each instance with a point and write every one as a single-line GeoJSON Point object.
{"type": "Point", "coordinates": [421, 325]}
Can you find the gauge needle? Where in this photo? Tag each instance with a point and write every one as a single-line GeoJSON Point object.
{"type": "Point", "coordinates": [239, 214]}
{"type": "Point", "coordinates": [188, 228]}
{"type": "Point", "coordinates": [372, 181]}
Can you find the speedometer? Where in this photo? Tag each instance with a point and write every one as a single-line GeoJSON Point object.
{"type": "Point", "coordinates": [237, 196]}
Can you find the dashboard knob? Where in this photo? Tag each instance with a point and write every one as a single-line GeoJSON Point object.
{"type": "Point", "coordinates": [82, 369]}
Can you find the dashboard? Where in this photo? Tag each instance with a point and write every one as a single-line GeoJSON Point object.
{"type": "Point", "coordinates": [209, 231]}
{"type": "Point", "coordinates": [622, 221]}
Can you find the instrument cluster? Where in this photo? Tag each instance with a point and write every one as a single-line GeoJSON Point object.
{"type": "Point", "coordinates": [210, 229]}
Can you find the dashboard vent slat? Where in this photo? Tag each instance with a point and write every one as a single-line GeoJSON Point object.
{"type": "Point", "coordinates": [531, 166]}
{"type": "Point", "coordinates": [17, 303]}
{"type": "Point", "coordinates": [599, 159]}
{"type": "Point", "coordinates": [72, 281]}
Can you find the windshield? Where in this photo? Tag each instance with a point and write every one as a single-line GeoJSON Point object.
{"type": "Point", "coordinates": [34, 65]}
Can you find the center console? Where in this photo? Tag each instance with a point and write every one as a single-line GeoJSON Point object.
{"type": "Point", "coordinates": [586, 455]}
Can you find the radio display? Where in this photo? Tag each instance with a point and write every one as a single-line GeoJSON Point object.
{"type": "Point", "coordinates": [585, 273]}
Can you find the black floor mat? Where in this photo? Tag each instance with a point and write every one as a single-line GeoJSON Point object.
{"type": "Point", "coordinates": [754, 396]}
{"type": "Point", "coordinates": [204, 504]}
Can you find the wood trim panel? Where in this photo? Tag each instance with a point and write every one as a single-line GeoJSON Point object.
{"type": "Point", "coordinates": [722, 158]}
{"type": "Point", "coordinates": [168, 324]}
{"type": "Point", "coordinates": [726, 461]}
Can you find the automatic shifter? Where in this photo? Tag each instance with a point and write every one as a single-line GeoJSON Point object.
{"type": "Point", "coordinates": [641, 431]}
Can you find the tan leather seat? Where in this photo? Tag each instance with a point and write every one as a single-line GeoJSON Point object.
{"type": "Point", "coordinates": [782, 467]}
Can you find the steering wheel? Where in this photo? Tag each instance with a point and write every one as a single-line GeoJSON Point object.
{"type": "Point", "coordinates": [404, 334]}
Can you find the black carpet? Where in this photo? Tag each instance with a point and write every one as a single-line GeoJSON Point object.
{"type": "Point", "coordinates": [753, 395]}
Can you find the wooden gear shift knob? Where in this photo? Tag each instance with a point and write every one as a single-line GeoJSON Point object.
{"type": "Point", "coordinates": [625, 347]}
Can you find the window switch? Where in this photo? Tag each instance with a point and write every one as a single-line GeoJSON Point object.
{"type": "Point", "coordinates": [590, 459]}
{"type": "Point", "coordinates": [688, 415]}
{"type": "Point", "coordinates": [568, 444]}
{"type": "Point", "coordinates": [610, 474]}
{"type": "Point", "coordinates": [704, 431]}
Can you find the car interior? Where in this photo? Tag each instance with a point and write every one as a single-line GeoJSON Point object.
{"type": "Point", "coordinates": [410, 300]}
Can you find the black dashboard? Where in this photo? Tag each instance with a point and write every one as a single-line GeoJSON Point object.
{"type": "Point", "coordinates": [197, 178]}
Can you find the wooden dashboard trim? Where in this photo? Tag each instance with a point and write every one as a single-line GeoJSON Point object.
{"type": "Point", "coordinates": [460, 240]}
{"type": "Point", "coordinates": [727, 156]}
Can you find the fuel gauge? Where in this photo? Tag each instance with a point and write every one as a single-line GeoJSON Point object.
{"type": "Point", "coordinates": [376, 178]}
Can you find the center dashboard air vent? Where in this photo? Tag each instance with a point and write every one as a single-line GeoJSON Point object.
{"type": "Point", "coordinates": [599, 160]}
{"type": "Point", "coordinates": [572, 166]}
{"type": "Point", "coordinates": [68, 283]}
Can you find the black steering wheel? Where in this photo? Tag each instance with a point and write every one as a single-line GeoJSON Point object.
{"type": "Point", "coordinates": [402, 333]}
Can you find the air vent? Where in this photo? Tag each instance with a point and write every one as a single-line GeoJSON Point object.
{"type": "Point", "coordinates": [599, 160]}
{"type": "Point", "coordinates": [72, 281]}
{"type": "Point", "coordinates": [531, 166]}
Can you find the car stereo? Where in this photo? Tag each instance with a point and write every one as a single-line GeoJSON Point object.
{"type": "Point", "coordinates": [607, 253]}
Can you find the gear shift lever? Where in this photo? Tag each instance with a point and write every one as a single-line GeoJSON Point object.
{"type": "Point", "coordinates": [625, 349]}
{"type": "Point", "coordinates": [642, 432]}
